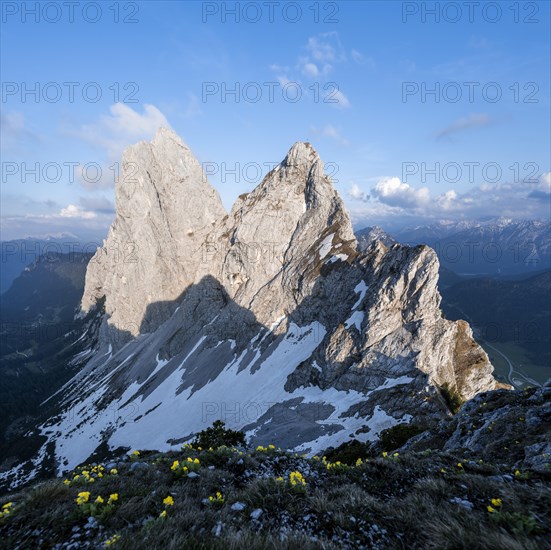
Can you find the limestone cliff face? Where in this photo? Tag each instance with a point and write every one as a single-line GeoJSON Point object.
{"type": "Point", "coordinates": [275, 248]}
{"type": "Point", "coordinates": [267, 317]}
{"type": "Point", "coordinates": [267, 249]}
{"type": "Point", "coordinates": [165, 207]}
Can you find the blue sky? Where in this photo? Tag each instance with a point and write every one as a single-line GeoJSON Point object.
{"type": "Point", "coordinates": [361, 67]}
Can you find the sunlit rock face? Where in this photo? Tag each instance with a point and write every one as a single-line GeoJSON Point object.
{"type": "Point", "coordinates": [268, 317]}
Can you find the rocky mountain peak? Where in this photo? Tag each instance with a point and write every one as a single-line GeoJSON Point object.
{"type": "Point", "coordinates": [174, 231]}
{"type": "Point", "coordinates": [301, 155]}
{"type": "Point", "coordinates": [165, 208]}
{"type": "Point", "coordinates": [272, 304]}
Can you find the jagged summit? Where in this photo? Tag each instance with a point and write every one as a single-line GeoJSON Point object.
{"type": "Point", "coordinates": [172, 225]}
{"type": "Point", "coordinates": [165, 207]}
{"type": "Point", "coordinates": [268, 318]}
{"type": "Point", "coordinates": [301, 154]}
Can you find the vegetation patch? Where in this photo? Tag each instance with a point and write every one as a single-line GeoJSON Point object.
{"type": "Point", "coordinates": [235, 497]}
{"type": "Point", "coordinates": [399, 435]}
{"type": "Point", "coordinates": [452, 398]}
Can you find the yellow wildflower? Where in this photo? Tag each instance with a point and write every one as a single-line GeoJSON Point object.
{"type": "Point", "coordinates": [459, 465]}
{"type": "Point", "coordinates": [135, 453]}
{"type": "Point", "coordinates": [168, 501]}
{"type": "Point", "coordinates": [517, 472]}
{"type": "Point", "coordinates": [175, 465]}
{"type": "Point", "coordinates": [217, 499]}
{"type": "Point", "coordinates": [163, 514]}
{"type": "Point", "coordinates": [359, 462]}
{"type": "Point", "coordinates": [66, 482]}
{"type": "Point", "coordinates": [83, 497]}
{"type": "Point", "coordinates": [496, 502]}
{"type": "Point", "coordinates": [385, 454]}
{"type": "Point", "coordinates": [196, 461]}
{"type": "Point", "coordinates": [113, 497]}
{"type": "Point", "coordinates": [296, 478]}
{"type": "Point", "coordinates": [113, 471]}
{"type": "Point", "coordinates": [490, 509]}
{"type": "Point", "coordinates": [112, 540]}
{"type": "Point", "coordinates": [99, 500]}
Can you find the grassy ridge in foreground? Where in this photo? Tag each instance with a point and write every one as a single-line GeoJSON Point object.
{"type": "Point", "coordinates": [235, 498]}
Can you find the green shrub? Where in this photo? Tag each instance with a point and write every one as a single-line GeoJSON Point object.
{"type": "Point", "coordinates": [218, 436]}
{"type": "Point", "coordinates": [452, 398]}
{"type": "Point", "coordinates": [395, 437]}
{"type": "Point", "coordinates": [348, 453]}
{"type": "Point", "coordinates": [519, 524]}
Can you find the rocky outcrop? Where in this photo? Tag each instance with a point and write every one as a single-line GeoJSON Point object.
{"type": "Point", "coordinates": [267, 317]}
{"type": "Point", "coordinates": [501, 427]}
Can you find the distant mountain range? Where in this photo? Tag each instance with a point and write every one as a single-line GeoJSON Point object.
{"type": "Point", "coordinates": [369, 234]}
{"type": "Point", "coordinates": [19, 253]}
{"type": "Point", "coordinates": [497, 246]}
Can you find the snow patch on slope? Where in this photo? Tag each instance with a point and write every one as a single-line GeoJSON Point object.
{"type": "Point", "coordinates": [325, 246]}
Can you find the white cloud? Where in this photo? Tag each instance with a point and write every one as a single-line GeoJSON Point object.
{"type": "Point", "coordinates": [448, 200]}
{"type": "Point", "coordinates": [74, 211]}
{"type": "Point", "coordinates": [79, 220]}
{"type": "Point", "coordinates": [279, 68]}
{"type": "Point", "coordinates": [319, 57]}
{"type": "Point", "coordinates": [337, 99]}
{"type": "Point", "coordinates": [122, 127]}
{"type": "Point", "coordinates": [542, 189]}
{"type": "Point", "coordinates": [324, 51]}
{"type": "Point", "coordinates": [474, 120]}
{"type": "Point", "coordinates": [193, 107]}
{"type": "Point", "coordinates": [13, 124]}
{"type": "Point", "coordinates": [283, 80]}
{"type": "Point", "coordinates": [329, 131]}
{"type": "Point", "coordinates": [361, 59]}
{"type": "Point", "coordinates": [357, 194]}
{"type": "Point", "coordinates": [545, 182]}
{"type": "Point", "coordinates": [393, 192]}
{"type": "Point", "coordinates": [392, 200]}
{"type": "Point", "coordinates": [311, 70]}
{"type": "Point", "coordinates": [14, 130]}
{"type": "Point", "coordinates": [326, 48]}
